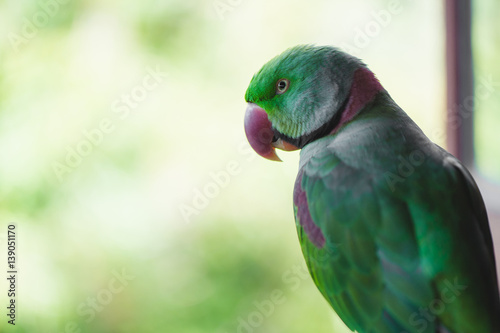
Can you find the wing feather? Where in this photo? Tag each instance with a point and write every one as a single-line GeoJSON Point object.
{"type": "Point", "coordinates": [389, 254]}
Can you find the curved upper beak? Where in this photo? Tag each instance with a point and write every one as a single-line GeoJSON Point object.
{"type": "Point", "coordinates": [260, 134]}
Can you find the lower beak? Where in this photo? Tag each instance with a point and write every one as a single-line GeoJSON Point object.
{"type": "Point", "coordinates": [283, 145]}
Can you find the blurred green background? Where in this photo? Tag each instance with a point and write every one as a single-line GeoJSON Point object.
{"type": "Point", "coordinates": [486, 51]}
{"type": "Point", "coordinates": [139, 205]}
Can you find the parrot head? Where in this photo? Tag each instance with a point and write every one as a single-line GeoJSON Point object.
{"type": "Point", "coordinates": [297, 97]}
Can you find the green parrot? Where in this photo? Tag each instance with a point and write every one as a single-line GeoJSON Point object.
{"type": "Point", "coordinates": [393, 228]}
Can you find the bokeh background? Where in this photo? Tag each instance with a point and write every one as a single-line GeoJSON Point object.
{"type": "Point", "coordinates": [138, 204]}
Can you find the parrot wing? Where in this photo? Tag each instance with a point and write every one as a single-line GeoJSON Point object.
{"type": "Point", "coordinates": [416, 257]}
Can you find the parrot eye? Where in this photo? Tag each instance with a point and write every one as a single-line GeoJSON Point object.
{"type": "Point", "coordinates": [282, 86]}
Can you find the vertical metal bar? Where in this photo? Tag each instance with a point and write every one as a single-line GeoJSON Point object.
{"type": "Point", "coordinates": [459, 80]}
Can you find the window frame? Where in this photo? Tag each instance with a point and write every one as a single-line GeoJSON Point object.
{"type": "Point", "coordinates": [460, 86]}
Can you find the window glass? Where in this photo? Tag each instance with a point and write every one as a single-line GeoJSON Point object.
{"type": "Point", "coordinates": [486, 50]}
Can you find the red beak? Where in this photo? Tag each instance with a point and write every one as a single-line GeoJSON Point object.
{"type": "Point", "coordinates": [260, 134]}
